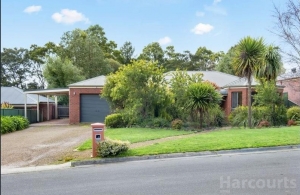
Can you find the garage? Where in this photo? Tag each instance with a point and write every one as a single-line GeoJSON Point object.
{"type": "Point", "coordinates": [93, 108]}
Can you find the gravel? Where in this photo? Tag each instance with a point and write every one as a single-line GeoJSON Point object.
{"type": "Point", "coordinates": [41, 145]}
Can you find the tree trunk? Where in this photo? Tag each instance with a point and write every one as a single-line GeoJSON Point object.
{"type": "Point", "coordinates": [249, 102]}
{"type": "Point", "coordinates": [201, 118]}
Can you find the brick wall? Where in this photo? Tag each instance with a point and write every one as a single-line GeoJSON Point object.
{"type": "Point", "coordinates": [292, 87]}
{"type": "Point", "coordinates": [74, 104]}
{"type": "Point", "coordinates": [228, 100]}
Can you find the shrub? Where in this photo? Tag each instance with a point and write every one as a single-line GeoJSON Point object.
{"type": "Point", "coordinates": [14, 123]}
{"type": "Point", "coordinates": [114, 120]}
{"type": "Point", "coordinates": [239, 116]}
{"type": "Point", "coordinates": [291, 123]}
{"type": "Point", "coordinates": [263, 124]}
{"type": "Point", "coordinates": [293, 113]}
{"type": "Point", "coordinates": [109, 147]}
{"type": "Point", "coordinates": [214, 117]}
{"type": "Point", "coordinates": [176, 124]}
{"type": "Point", "coordinates": [160, 122]}
{"type": "Point", "coordinates": [6, 105]}
{"type": "Point", "coordinates": [157, 122]}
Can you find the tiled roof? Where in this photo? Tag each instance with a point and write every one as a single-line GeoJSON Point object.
{"type": "Point", "coordinates": [15, 96]}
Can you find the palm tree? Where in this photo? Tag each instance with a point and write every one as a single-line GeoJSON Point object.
{"type": "Point", "coordinates": [270, 69]}
{"type": "Point", "coordinates": [272, 64]}
{"type": "Point", "coordinates": [249, 56]}
{"type": "Point", "coordinates": [202, 97]}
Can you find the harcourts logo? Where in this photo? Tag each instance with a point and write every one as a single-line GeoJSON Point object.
{"type": "Point", "coordinates": [227, 184]}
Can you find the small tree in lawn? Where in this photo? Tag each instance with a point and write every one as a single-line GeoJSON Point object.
{"type": "Point", "coordinates": [202, 97]}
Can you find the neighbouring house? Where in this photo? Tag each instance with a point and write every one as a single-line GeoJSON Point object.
{"type": "Point", "coordinates": [17, 98]}
{"type": "Point", "coordinates": [291, 83]}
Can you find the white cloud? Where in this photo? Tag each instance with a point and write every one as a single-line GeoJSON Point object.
{"type": "Point", "coordinates": [201, 28]}
{"type": "Point", "coordinates": [69, 17]}
{"type": "Point", "coordinates": [200, 14]}
{"type": "Point", "coordinates": [33, 8]}
{"type": "Point", "coordinates": [216, 10]}
{"type": "Point", "coordinates": [164, 41]}
{"type": "Point", "coordinates": [216, 2]}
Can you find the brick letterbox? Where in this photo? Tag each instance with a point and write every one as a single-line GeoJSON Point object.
{"type": "Point", "coordinates": [97, 136]}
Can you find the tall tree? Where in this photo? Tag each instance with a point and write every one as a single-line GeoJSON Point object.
{"type": "Point", "coordinates": [15, 67]}
{"type": "Point", "coordinates": [249, 56]}
{"type": "Point", "coordinates": [173, 60]}
{"type": "Point", "coordinates": [127, 51]}
{"type": "Point", "coordinates": [226, 63]}
{"type": "Point", "coordinates": [268, 73]}
{"type": "Point", "coordinates": [85, 53]}
{"type": "Point", "coordinates": [272, 65]}
{"type": "Point", "coordinates": [287, 28]}
{"type": "Point", "coordinates": [154, 53]}
{"type": "Point", "coordinates": [38, 56]}
{"type": "Point", "coordinates": [60, 73]}
{"type": "Point", "coordinates": [108, 47]}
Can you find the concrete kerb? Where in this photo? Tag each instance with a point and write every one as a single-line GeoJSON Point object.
{"type": "Point", "coordinates": [177, 155]}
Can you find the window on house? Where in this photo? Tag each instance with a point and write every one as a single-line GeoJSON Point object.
{"type": "Point", "coordinates": [236, 99]}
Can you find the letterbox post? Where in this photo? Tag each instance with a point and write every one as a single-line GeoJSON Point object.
{"type": "Point", "coordinates": [97, 136]}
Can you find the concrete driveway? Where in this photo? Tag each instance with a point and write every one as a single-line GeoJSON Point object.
{"type": "Point", "coordinates": [42, 143]}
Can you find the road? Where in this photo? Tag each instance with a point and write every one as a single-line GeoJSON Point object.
{"type": "Point", "coordinates": [252, 173]}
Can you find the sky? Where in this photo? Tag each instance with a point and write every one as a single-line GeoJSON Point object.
{"type": "Point", "coordinates": [185, 24]}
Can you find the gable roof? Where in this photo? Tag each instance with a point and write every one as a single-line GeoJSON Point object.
{"type": "Point", "coordinates": [16, 96]}
{"type": "Point", "coordinates": [92, 82]}
{"type": "Point", "coordinates": [290, 75]}
{"type": "Point", "coordinates": [220, 78]}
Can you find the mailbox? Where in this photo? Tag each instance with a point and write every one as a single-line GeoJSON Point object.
{"type": "Point", "coordinates": [97, 136]}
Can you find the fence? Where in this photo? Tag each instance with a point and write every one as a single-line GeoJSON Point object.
{"type": "Point", "coordinates": [31, 114]}
{"type": "Point", "coordinates": [63, 111]}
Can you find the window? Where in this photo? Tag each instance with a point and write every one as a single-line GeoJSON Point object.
{"type": "Point", "coordinates": [236, 99]}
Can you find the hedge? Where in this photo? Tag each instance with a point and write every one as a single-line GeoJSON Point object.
{"type": "Point", "coordinates": [13, 123]}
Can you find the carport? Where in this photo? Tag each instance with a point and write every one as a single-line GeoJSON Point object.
{"type": "Point", "coordinates": [47, 93]}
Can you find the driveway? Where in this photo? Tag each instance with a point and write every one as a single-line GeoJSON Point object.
{"type": "Point", "coordinates": [42, 143]}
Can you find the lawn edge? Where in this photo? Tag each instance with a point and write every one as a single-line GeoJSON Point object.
{"type": "Point", "coordinates": [177, 155]}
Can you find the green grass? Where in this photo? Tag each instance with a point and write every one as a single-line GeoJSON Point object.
{"type": "Point", "coordinates": [134, 135]}
{"type": "Point", "coordinates": [223, 140]}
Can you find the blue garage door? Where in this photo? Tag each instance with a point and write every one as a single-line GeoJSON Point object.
{"type": "Point", "coordinates": [93, 108]}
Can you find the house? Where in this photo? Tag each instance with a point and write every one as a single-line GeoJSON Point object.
{"type": "Point", "coordinates": [85, 104]}
{"type": "Point", "coordinates": [234, 89]}
{"type": "Point", "coordinates": [291, 81]}
{"type": "Point", "coordinates": [17, 98]}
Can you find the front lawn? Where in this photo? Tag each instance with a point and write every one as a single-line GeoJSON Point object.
{"type": "Point", "coordinates": [223, 140]}
{"type": "Point", "coordinates": [134, 135]}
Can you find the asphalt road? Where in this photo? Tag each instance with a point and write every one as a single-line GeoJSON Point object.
{"type": "Point", "coordinates": [252, 173]}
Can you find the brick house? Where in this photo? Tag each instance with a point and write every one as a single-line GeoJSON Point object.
{"type": "Point", "coordinates": [86, 105]}
{"type": "Point", "coordinates": [291, 83]}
